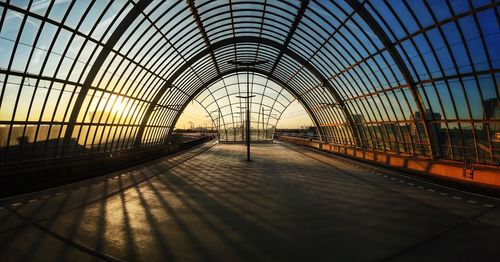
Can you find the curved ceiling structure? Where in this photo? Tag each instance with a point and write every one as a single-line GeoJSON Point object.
{"type": "Point", "coordinates": [226, 108]}
{"type": "Point", "coordinates": [90, 77]}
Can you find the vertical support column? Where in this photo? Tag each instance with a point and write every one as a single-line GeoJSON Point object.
{"type": "Point", "coordinates": [263, 126]}
{"type": "Point", "coordinates": [218, 127]}
{"type": "Point", "coordinates": [248, 116]}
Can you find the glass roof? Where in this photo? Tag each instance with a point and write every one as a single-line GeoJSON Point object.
{"type": "Point", "coordinates": [84, 78]}
{"type": "Point", "coordinates": [223, 99]}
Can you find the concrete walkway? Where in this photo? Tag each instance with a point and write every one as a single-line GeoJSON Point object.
{"type": "Point", "coordinates": [289, 203]}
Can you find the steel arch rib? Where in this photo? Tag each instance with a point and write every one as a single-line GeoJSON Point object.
{"type": "Point", "coordinates": [199, 23]}
{"type": "Point", "coordinates": [106, 50]}
{"type": "Point", "coordinates": [296, 22]}
{"type": "Point", "coordinates": [237, 40]}
{"type": "Point", "coordinates": [398, 60]}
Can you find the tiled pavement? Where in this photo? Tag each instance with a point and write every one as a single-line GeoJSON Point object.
{"type": "Point", "coordinates": [289, 203]}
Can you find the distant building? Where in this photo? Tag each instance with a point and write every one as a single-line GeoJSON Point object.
{"type": "Point", "coordinates": [492, 108]}
{"type": "Point", "coordinates": [357, 118]}
{"type": "Point", "coordinates": [434, 126]}
{"type": "Point", "coordinates": [492, 111]}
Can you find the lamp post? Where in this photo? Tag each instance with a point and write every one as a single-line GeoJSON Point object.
{"type": "Point", "coordinates": [243, 126]}
{"type": "Point", "coordinates": [247, 64]}
{"type": "Point", "coordinates": [272, 132]}
{"type": "Point", "coordinates": [264, 130]}
{"type": "Point", "coordinates": [219, 114]}
{"type": "Point", "coordinates": [238, 121]}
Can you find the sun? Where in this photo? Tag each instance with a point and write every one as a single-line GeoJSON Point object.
{"type": "Point", "coordinates": [113, 104]}
{"type": "Point", "coordinates": [118, 108]}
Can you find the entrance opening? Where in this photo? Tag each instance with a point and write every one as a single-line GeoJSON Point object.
{"type": "Point", "coordinates": [220, 108]}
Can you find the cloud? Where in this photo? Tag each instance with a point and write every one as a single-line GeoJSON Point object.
{"type": "Point", "coordinates": [44, 4]}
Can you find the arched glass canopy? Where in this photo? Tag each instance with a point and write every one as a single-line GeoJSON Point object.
{"type": "Point", "coordinates": [83, 78]}
{"type": "Point", "coordinates": [226, 108]}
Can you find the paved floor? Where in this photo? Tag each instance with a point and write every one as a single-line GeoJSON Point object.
{"type": "Point", "coordinates": [289, 203]}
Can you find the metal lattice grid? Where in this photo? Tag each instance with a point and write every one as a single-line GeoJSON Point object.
{"type": "Point", "coordinates": [84, 78]}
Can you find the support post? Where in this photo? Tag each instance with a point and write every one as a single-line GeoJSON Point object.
{"type": "Point", "coordinates": [263, 127]}
{"type": "Point", "coordinates": [248, 116]}
{"type": "Point", "coordinates": [247, 64]}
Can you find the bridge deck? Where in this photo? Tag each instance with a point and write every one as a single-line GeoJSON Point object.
{"type": "Point", "coordinates": [289, 203]}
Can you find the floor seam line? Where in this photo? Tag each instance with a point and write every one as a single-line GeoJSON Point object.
{"type": "Point", "coordinates": [63, 239]}
{"type": "Point", "coordinates": [124, 189]}
{"type": "Point", "coordinates": [380, 186]}
{"type": "Point", "coordinates": [439, 235]}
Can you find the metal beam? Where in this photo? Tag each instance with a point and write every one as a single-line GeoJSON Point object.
{"type": "Point", "coordinates": [293, 28]}
{"type": "Point", "coordinates": [106, 50]}
{"type": "Point", "coordinates": [245, 39]}
{"type": "Point", "coordinates": [196, 16]}
{"type": "Point", "coordinates": [398, 60]}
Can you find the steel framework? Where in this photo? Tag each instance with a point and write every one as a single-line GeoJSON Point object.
{"type": "Point", "coordinates": [92, 78]}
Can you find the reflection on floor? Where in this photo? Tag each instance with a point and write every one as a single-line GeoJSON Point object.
{"type": "Point", "coordinates": [289, 203]}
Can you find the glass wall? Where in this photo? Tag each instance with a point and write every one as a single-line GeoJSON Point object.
{"type": "Point", "coordinates": [86, 78]}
